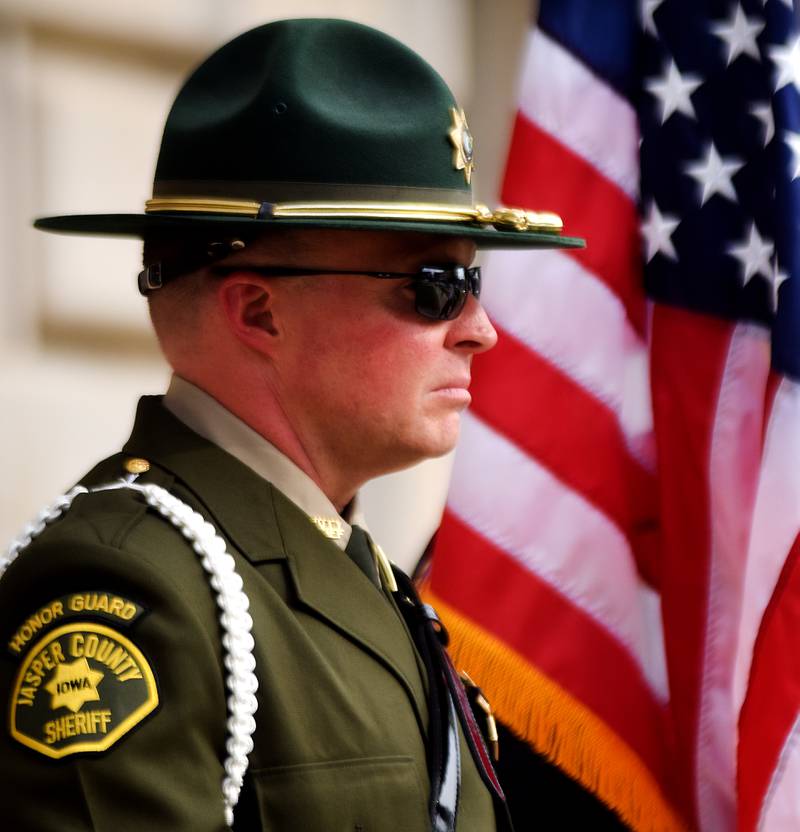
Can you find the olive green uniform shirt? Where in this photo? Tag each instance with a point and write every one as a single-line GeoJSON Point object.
{"type": "Point", "coordinates": [341, 723]}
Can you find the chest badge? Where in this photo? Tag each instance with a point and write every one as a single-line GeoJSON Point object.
{"type": "Point", "coordinates": [461, 139]}
{"type": "Point", "coordinates": [80, 689]}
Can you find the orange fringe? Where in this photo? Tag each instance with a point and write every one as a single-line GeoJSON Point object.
{"type": "Point", "coordinates": [557, 725]}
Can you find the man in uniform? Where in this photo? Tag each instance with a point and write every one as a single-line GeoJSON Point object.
{"type": "Point", "coordinates": [202, 634]}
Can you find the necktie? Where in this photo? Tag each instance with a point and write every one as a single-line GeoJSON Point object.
{"type": "Point", "coordinates": [360, 552]}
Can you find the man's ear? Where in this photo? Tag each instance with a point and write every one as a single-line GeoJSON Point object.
{"type": "Point", "coordinates": [246, 301]}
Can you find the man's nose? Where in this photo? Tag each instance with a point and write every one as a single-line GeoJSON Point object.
{"type": "Point", "coordinates": [472, 330]}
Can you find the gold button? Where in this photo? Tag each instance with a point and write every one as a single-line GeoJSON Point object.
{"type": "Point", "coordinates": [136, 465]}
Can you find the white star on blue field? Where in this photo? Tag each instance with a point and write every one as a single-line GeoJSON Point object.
{"type": "Point", "coordinates": [719, 111]}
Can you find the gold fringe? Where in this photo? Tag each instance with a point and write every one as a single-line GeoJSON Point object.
{"type": "Point", "coordinates": [557, 725]}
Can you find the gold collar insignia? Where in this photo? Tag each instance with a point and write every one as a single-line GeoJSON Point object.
{"type": "Point", "coordinates": [331, 527]}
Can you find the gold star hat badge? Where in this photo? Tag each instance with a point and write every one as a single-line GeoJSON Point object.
{"type": "Point", "coordinates": [463, 146]}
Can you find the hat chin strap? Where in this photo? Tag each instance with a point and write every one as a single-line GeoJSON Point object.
{"type": "Point", "coordinates": [155, 275]}
{"type": "Point", "coordinates": [235, 620]}
{"type": "Point", "coordinates": [510, 219]}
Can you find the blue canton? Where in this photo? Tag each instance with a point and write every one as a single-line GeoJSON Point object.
{"type": "Point", "coordinates": [719, 110]}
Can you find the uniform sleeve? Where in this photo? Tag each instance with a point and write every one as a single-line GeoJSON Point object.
{"type": "Point", "coordinates": [113, 685]}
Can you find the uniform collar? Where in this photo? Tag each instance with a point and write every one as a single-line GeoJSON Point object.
{"type": "Point", "coordinates": [264, 525]}
{"type": "Point", "coordinates": [211, 420]}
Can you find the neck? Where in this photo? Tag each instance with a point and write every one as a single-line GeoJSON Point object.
{"type": "Point", "coordinates": [264, 414]}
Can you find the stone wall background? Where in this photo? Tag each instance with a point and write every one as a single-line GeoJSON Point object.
{"type": "Point", "coordinates": [85, 86]}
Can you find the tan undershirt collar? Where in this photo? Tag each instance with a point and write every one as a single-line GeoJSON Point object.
{"type": "Point", "coordinates": [207, 417]}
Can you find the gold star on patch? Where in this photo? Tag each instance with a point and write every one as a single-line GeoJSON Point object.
{"type": "Point", "coordinates": [73, 685]}
{"type": "Point", "coordinates": [461, 139]}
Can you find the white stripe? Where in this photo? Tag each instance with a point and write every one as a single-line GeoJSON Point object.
{"type": "Point", "coordinates": [776, 524]}
{"type": "Point", "coordinates": [581, 111]}
{"type": "Point", "coordinates": [554, 533]}
{"type": "Point", "coordinates": [547, 300]}
{"type": "Point", "coordinates": [781, 809]}
{"type": "Point", "coordinates": [733, 473]}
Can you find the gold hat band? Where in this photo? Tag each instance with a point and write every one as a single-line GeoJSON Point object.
{"type": "Point", "coordinates": [516, 219]}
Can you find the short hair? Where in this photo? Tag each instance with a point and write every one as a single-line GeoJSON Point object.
{"type": "Point", "coordinates": [187, 258]}
{"type": "Point", "coordinates": [190, 249]}
{"type": "Point", "coordinates": [170, 307]}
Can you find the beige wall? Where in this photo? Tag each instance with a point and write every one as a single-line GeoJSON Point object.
{"type": "Point", "coordinates": [84, 89]}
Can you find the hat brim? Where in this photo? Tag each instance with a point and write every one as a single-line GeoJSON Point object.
{"type": "Point", "coordinates": [140, 225]}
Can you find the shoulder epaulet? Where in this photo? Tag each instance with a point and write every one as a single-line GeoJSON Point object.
{"type": "Point", "coordinates": [236, 622]}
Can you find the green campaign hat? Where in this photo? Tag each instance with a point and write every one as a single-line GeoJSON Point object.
{"type": "Point", "coordinates": [318, 123]}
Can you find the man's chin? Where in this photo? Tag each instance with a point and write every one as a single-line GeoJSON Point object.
{"type": "Point", "coordinates": [443, 440]}
{"type": "Point", "coordinates": [414, 456]}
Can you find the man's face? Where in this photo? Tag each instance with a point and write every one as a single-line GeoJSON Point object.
{"type": "Point", "coordinates": [363, 379]}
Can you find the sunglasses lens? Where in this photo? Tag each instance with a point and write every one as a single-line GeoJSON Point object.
{"type": "Point", "coordinates": [474, 281]}
{"type": "Point", "coordinates": [441, 292]}
{"type": "Point", "coordinates": [439, 299]}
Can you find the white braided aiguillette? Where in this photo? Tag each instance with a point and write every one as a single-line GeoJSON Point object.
{"type": "Point", "coordinates": [237, 625]}
{"type": "Point", "coordinates": [237, 639]}
{"type": "Point", "coordinates": [37, 526]}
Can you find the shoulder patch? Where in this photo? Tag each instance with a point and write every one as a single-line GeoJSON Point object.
{"type": "Point", "coordinates": [80, 689]}
{"type": "Point", "coordinates": [105, 605]}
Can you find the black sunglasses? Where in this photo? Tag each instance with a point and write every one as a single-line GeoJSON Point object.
{"type": "Point", "coordinates": [440, 292]}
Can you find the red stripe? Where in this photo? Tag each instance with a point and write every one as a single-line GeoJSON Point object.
{"type": "Point", "coordinates": [565, 428]}
{"type": "Point", "coordinates": [474, 576]}
{"type": "Point", "coordinates": [773, 695]}
{"type": "Point", "coordinates": [543, 174]}
{"type": "Point", "coordinates": [688, 355]}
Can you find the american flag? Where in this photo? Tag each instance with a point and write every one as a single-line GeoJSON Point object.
{"type": "Point", "coordinates": [618, 561]}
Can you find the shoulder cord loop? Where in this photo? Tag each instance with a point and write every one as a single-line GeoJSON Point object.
{"type": "Point", "coordinates": [33, 529]}
{"type": "Point", "coordinates": [236, 622]}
